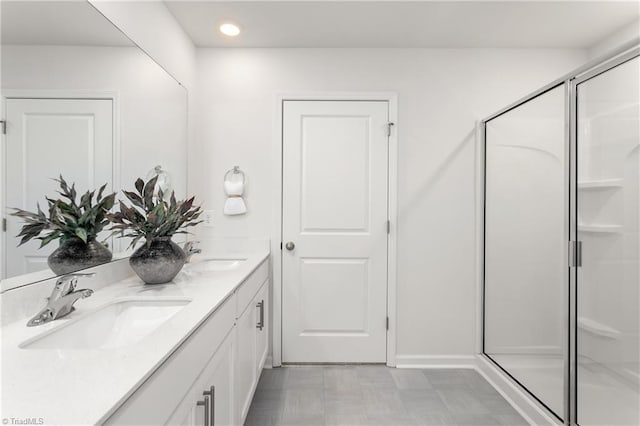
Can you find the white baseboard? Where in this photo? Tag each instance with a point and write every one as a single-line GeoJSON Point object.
{"type": "Point", "coordinates": [532, 411]}
{"type": "Point", "coordinates": [268, 362]}
{"type": "Point", "coordinates": [435, 361]}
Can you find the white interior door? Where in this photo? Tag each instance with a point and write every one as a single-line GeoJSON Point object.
{"type": "Point", "coordinates": [335, 178]}
{"type": "Point", "coordinates": [46, 138]}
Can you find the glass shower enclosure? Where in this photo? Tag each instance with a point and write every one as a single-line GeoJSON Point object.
{"type": "Point", "coordinates": [561, 276]}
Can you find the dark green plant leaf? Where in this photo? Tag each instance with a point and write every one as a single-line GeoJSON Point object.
{"type": "Point", "coordinates": [148, 192]}
{"type": "Point", "coordinates": [152, 217]}
{"type": "Point", "coordinates": [134, 198]}
{"type": "Point", "coordinates": [82, 234]}
{"type": "Point", "coordinates": [65, 218]}
{"type": "Point", "coordinates": [139, 185]}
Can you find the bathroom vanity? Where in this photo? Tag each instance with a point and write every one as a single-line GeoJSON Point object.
{"type": "Point", "coordinates": [189, 352]}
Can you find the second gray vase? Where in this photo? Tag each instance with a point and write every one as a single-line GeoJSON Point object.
{"type": "Point", "coordinates": [158, 262]}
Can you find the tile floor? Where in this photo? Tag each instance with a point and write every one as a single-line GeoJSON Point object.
{"type": "Point", "coordinates": [377, 395]}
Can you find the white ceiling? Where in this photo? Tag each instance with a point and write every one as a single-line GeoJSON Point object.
{"type": "Point", "coordinates": [73, 23]}
{"type": "Point", "coordinates": [553, 24]}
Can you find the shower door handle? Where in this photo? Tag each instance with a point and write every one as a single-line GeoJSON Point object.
{"type": "Point", "coordinates": [575, 254]}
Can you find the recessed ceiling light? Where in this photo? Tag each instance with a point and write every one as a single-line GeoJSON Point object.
{"type": "Point", "coordinates": [230, 30]}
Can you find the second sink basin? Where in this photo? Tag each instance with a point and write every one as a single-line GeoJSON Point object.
{"type": "Point", "coordinates": [117, 324]}
{"type": "Point", "coordinates": [206, 265]}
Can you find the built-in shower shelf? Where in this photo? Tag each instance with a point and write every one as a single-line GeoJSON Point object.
{"type": "Point", "coordinates": [600, 228]}
{"type": "Point", "coordinates": [599, 329]}
{"type": "Point", "coordinates": [599, 184]}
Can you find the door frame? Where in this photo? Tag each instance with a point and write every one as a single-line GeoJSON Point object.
{"type": "Point", "coordinates": [392, 210]}
{"type": "Point", "coordinates": [111, 95]}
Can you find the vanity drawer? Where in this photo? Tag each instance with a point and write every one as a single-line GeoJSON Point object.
{"type": "Point", "coordinates": [250, 287]}
{"type": "Point", "coordinates": [156, 399]}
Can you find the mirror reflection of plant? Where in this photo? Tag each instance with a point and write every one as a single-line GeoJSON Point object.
{"type": "Point", "coordinates": [151, 216]}
{"type": "Point", "coordinates": [67, 219]}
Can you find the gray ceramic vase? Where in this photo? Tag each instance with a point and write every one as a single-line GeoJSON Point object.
{"type": "Point", "coordinates": [158, 262]}
{"type": "Point", "coordinates": [74, 255]}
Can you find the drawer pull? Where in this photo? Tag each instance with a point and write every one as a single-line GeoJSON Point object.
{"type": "Point", "coordinates": [205, 404]}
{"type": "Point", "coordinates": [260, 324]}
{"type": "Point", "coordinates": [211, 393]}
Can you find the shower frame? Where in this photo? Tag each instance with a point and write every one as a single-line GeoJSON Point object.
{"type": "Point", "coordinates": [570, 82]}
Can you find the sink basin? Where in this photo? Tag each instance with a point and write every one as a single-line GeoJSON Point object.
{"type": "Point", "coordinates": [115, 325]}
{"type": "Point", "coordinates": [216, 265]}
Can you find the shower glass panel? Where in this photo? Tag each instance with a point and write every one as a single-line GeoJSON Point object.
{"type": "Point", "coordinates": [608, 210]}
{"type": "Point", "coordinates": [525, 253]}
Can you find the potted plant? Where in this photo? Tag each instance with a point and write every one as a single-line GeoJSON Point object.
{"type": "Point", "coordinates": [156, 220]}
{"type": "Point", "coordinates": [75, 224]}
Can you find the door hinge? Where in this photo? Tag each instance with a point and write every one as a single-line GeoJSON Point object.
{"type": "Point", "coordinates": [389, 126]}
{"type": "Point", "coordinates": [3, 123]}
{"type": "Point", "coordinates": [4, 224]}
{"type": "Point", "coordinates": [387, 323]}
{"type": "Point", "coordinates": [388, 226]}
{"type": "Point", "coordinates": [575, 254]}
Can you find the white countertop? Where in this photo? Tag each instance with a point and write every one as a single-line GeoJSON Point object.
{"type": "Point", "coordinates": [84, 386]}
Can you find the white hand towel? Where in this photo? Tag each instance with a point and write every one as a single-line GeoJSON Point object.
{"type": "Point", "coordinates": [234, 206]}
{"type": "Point", "coordinates": [233, 188]}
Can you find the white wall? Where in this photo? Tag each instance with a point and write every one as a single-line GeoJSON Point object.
{"type": "Point", "coordinates": [616, 39]}
{"type": "Point", "coordinates": [153, 28]}
{"type": "Point", "coordinates": [442, 92]}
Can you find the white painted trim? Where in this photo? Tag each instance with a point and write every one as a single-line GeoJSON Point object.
{"type": "Point", "coordinates": [276, 235]}
{"type": "Point", "coordinates": [479, 237]}
{"type": "Point", "coordinates": [532, 411]}
{"type": "Point", "coordinates": [392, 208]}
{"type": "Point", "coordinates": [3, 180]}
{"type": "Point", "coordinates": [112, 95]}
{"type": "Point", "coordinates": [392, 241]}
{"type": "Point", "coordinates": [436, 361]}
{"type": "Point", "coordinates": [268, 362]}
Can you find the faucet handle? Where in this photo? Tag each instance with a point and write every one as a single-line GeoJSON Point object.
{"type": "Point", "coordinates": [70, 280]}
{"type": "Point", "coordinates": [190, 244]}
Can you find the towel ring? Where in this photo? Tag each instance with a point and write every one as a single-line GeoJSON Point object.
{"type": "Point", "coordinates": [235, 171]}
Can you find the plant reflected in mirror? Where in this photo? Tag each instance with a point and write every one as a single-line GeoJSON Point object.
{"type": "Point", "coordinates": [75, 224]}
{"type": "Point", "coordinates": [67, 219]}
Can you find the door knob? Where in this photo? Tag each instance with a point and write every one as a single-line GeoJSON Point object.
{"type": "Point", "coordinates": [290, 245]}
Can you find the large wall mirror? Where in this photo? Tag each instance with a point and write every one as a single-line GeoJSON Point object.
{"type": "Point", "coordinates": [81, 100]}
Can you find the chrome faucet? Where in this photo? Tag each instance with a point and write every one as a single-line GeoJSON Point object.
{"type": "Point", "coordinates": [62, 298]}
{"type": "Point", "coordinates": [190, 249]}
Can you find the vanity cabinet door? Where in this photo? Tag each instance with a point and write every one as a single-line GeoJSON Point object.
{"type": "Point", "coordinates": [262, 333]}
{"type": "Point", "coordinates": [221, 383]}
{"type": "Point", "coordinates": [215, 384]}
{"type": "Point", "coordinates": [246, 374]}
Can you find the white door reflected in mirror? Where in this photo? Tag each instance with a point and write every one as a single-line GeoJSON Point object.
{"type": "Point", "coordinates": [47, 137]}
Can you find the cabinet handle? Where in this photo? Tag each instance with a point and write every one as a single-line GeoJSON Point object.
{"type": "Point", "coordinates": [211, 393]}
{"type": "Point", "coordinates": [260, 324]}
{"type": "Point", "coordinates": [205, 403]}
